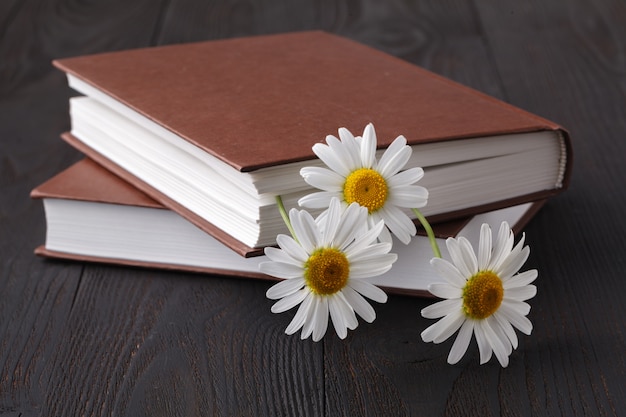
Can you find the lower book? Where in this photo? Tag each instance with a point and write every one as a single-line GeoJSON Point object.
{"type": "Point", "coordinates": [92, 215]}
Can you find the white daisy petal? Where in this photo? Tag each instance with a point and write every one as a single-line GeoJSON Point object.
{"type": "Point", "coordinates": [391, 152]}
{"type": "Point", "coordinates": [442, 308]}
{"type": "Point", "coordinates": [280, 255]}
{"type": "Point", "coordinates": [289, 301]}
{"type": "Point", "coordinates": [284, 288]}
{"type": "Point", "coordinates": [299, 319]}
{"type": "Point", "coordinates": [515, 306]}
{"type": "Point", "coordinates": [292, 248]}
{"type": "Point", "coordinates": [521, 279]}
{"type": "Point", "coordinates": [368, 290]}
{"type": "Point", "coordinates": [352, 220]}
{"type": "Point", "coordinates": [469, 257]}
{"type": "Point", "coordinates": [484, 348]}
{"type": "Point", "coordinates": [399, 223]}
{"type": "Point", "coordinates": [309, 322]}
{"type": "Point", "coordinates": [322, 178]}
{"type": "Point", "coordinates": [368, 147]}
{"type": "Point", "coordinates": [507, 329]}
{"type": "Point", "coordinates": [319, 199]}
{"type": "Point", "coordinates": [407, 177]}
{"type": "Point", "coordinates": [449, 272]}
{"type": "Point", "coordinates": [461, 343]}
{"type": "Point", "coordinates": [332, 222]}
{"type": "Point", "coordinates": [306, 231]}
{"type": "Point", "coordinates": [512, 264]}
{"type": "Point", "coordinates": [376, 267]}
{"type": "Point", "coordinates": [280, 270]}
{"type": "Point", "coordinates": [502, 246]}
{"type": "Point", "coordinates": [498, 348]}
{"type": "Point", "coordinates": [320, 319]}
{"type": "Point", "coordinates": [395, 163]}
{"type": "Point", "coordinates": [367, 251]}
{"type": "Point", "coordinates": [409, 196]}
{"type": "Point", "coordinates": [521, 293]}
{"type": "Point", "coordinates": [330, 158]}
{"type": "Point", "coordinates": [445, 290]}
{"type": "Point", "coordinates": [446, 326]}
{"type": "Point", "coordinates": [336, 317]}
{"type": "Point", "coordinates": [365, 239]}
{"type": "Point", "coordinates": [352, 147]}
{"type": "Point", "coordinates": [484, 247]}
{"type": "Point", "coordinates": [520, 322]}
{"type": "Point", "coordinates": [457, 257]}
{"type": "Point", "coordinates": [359, 304]}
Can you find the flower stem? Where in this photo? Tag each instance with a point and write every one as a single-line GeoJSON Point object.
{"type": "Point", "coordinates": [429, 232]}
{"type": "Point", "coordinates": [285, 216]}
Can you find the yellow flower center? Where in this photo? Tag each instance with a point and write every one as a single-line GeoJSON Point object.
{"type": "Point", "coordinates": [366, 187]}
{"type": "Point", "coordinates": [482, 295]}
{"type": "Point", "coordinates": [327, 271]}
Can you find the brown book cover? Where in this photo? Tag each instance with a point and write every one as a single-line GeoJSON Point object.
{"type": "Point", "coordinates": [88, 181]}
{"type": "Point", "coordinates": [262, 101]}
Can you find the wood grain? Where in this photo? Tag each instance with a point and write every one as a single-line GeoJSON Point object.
{"type": "Point", "coordinates": [93, 340]}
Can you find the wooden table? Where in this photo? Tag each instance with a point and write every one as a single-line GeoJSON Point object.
{"type": "Point", "coordinates": [85, 339]}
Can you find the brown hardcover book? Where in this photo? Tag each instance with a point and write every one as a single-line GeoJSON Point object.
{"type": "Point", "coordinates": [215, 130]}
{"type": "Point", "coordinates": [93, 215]}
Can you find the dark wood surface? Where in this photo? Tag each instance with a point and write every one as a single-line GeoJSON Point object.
{"type": "Point", "coordinates": [81, 339]}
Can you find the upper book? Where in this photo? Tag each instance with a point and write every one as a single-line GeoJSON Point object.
{"type": "Point", "coordinates": [215, 130]}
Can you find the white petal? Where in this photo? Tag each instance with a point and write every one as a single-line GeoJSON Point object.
{"type": "Point", "coordinates": [394, 148]}
{"type": "Point", "coordinates": [373, 267]}
{"type": "Point", "coordinates": [399, 223]}
{"type": "Point", "coordinates": [368, 290]}
{"type": "Point", "coordinates": [319, 199]}
{"type": "Point", "coordinates": [518, 321]}
{"type": "Point", "coordinates": [284, 288]}
{"type": "Point", "coordinates": [505, 342]}
{"type": "Point", "coordinates": [499, 349]}
{"type": "Point", "coordinates": [521, 279]}
{"type": "Point", "coordinates": [483, 343]}
{"type": "Point", "coordinates": [407, 177]}
{"type": "Point", "coordinates": [359, 304]}
{"type": "Point", "coordinates": [502, 246]}
{"type": "Point", "coordinates": [449, 272]}
{"type": "Point", "coordinates": [521, 293]}
{"type": "Point", "coordinates": [330, 158]}
{"type": "Point", "coordinates": [444, 328]}
{"type": "Point", "coordinates": [353, 149]}
{"type": "Point", "coordinates": [445, 290]}
{"type": "Point", "coordinates": [323, 178]}
{"type": "Point", "coordinates": [368, 147]}
{"type": "Point", "coordinates": [484, 247]}
{"type": "Point", "coordinates": [336, 317]}
{"type": "Point", "coordinates": [320, 319]}
{"type": "Point", "coordinates": [331, 223]}
{"type": "Point", "coordinates": [390, 166]}
{"type": "Point", "coordinates": [515, 306]}
{"type": "Point", "coordinates": [506, 328]}
{"type": "Point", "coordinates": [281, 270]}
{"type": "Point", "coordinates": [456, 255]}
{"type": "Point", "coordinates": [306, 230]}
{"type": "Point", "coordinates": [459, 347]}
{"type": "Point", "coordinates": [290, 301]}
{"type": "Point", "coordinates": [469, 257]}
{"type": "Point", "coordinates": [309, 323]}
{"type": "Point", "coordinates": [292, 248]}
{"type": "Point", "coordinates": [279, 255]}
{"type": "Point", "coordinates": [352, 219]}
{"type": "Point", "coordinates": [365, 239]}
{"type": "Point", "coordinates": [408, 196]}
{"type": "Point", "coordinates": [301, 315]}
{"type": "Point", "coordinates": [367, 252]}
{"type": "Point", "coordinates": [442, 308]}
{"type": "Point", "coordinates": [513, 263]}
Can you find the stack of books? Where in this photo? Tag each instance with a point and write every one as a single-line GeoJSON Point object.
{"type": "Point", "coordinates": [189, 145]}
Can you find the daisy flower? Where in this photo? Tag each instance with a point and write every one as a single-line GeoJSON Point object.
{"type": "Point", "coordinates": [323, 266]}
{"type": "Point", "coordinates": [484, 295]}
{"type": "Point", "coordinates": [355, 176]}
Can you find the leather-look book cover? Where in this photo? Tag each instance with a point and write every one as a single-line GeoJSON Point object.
{"type": "Point", "coordinates": [263, 101]}
{"type": "Point", "coordinates": [89, 182]}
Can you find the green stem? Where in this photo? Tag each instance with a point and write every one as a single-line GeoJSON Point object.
{"type": "Point", "coordinates": [429, 232]}
{"type": "Point", "coordinates": [285, 216]}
